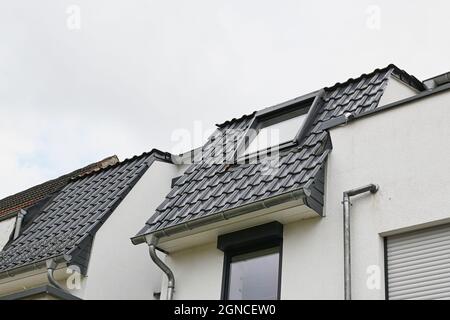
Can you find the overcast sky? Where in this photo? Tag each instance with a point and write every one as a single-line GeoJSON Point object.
{"type": "Point", "coordinates": [82, 80]}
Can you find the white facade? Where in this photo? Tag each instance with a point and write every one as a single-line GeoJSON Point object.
{"type": "Point", "coordinates": [117, 269]}
{"type": "Point", "coordinates": [405, 150]}
{"type": "Point", "coordinates": [198, 272]}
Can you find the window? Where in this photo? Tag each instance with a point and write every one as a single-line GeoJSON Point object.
{"type": "Point", "coordinates": [273, 133]}
{"type": "Point", "coordinates": [252, 263]}
{"type": "Point", "coordinates": [417, 265]}
{"type": "Point", "coordinates": [275, 129]}
{"type": "Point", "coordinates": [254, 275]}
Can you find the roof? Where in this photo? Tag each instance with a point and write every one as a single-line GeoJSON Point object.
{"type": "Point", "coordinates": [33, 195]}
{"type": "Point", "coordinates": [209, 188]}
{"type": "Point", "coordinates": [67, 224]}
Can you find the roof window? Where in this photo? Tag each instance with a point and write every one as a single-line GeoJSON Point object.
{"type": "Point", "coordinates": [275, 128]}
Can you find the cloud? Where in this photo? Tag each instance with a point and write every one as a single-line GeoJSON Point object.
{"type": "Point", "coordinates": [137, 71]}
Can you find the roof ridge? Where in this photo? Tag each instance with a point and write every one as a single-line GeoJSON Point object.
{"type": "Point", "coordinates": [363, 75]}
{"type": "Point", "coordinates": [160, 155]}
{"type": "Point", "coordinates": [244, 116]}
{"type": "Point", "coordinates": [404, 76]}
{"type": "Point", "coordinates": [25, 198]}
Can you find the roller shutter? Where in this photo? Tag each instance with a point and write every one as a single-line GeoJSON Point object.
{"type": "Point", "coordinates": [418, 264]}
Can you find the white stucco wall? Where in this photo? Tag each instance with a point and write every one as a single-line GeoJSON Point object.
{"type": "Point", "coordinates": [312, 259]}
{"type": "Point", "coordinates": [405, 151]}
{"type": "Point", "coordinates": [198, 273]}
{"type": "Point", "coordinates": [396, 90]}
{"type": "Point", "coordinates": [117, 268]}
{"type": "Point", "coordinates": [6, 228]}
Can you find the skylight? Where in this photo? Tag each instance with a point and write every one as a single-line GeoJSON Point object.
{"type": "Point", "coordinates": [273, 135]}
{"type": "Point", "coordinates": [279, 128]}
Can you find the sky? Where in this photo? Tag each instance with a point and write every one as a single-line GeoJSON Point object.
{"type": "Point", "coordinates": [82, 80]}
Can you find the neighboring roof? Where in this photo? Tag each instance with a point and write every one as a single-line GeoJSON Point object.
{"type": "Point", "coordinates": [210, 188]}
{"type": "Point", "coordinates": [33, 195]}
{"type": "Point", "coordinates": [37, 292]}
{"type": "Point", "coordinates": [67, 224]}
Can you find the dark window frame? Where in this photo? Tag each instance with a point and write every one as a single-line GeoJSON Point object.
{"type": "Point", "coordinates": [272, 118]}
{"type": "Point", "coordinates": [258, 238]}
{"type": "Point", "coordinates": [307, 103]}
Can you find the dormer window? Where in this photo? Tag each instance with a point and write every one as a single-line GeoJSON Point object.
{"type": "Point", "coordinates": [276, 131]}
{"type": "Point", "coordinates": [276, 128]}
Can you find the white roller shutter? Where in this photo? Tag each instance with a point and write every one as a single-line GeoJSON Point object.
{"type": "Point", "coordinates": [418, 264]}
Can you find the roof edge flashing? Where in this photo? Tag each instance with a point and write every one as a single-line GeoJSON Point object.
{"type": "Point", "coordinates": [310, 116]}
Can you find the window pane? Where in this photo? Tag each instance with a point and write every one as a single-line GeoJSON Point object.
{"type": "Point", "coordinates": [276, 134]}
{"type": "Point", "coordinates": [254, 276]}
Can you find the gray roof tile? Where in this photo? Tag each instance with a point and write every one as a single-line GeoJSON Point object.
{"type": "Point", "coordinates": [206, 189]}
{"type": "Point", "coordinates": [67, 224]}
{"type": "Point", "coordinates": [33, 195]}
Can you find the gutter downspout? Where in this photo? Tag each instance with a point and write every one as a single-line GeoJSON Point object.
{"type": "Point", "coordinates": [51, 266]}
{"type": "Point", "coordinates": [152, 241]}
{"type": "Point", "coordinates": [19, 220]}
{"type": "Point", "coordinates": [372, 188]}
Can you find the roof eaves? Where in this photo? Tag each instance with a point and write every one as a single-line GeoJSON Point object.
{"type": "Point", "coordinates": [220, 216]}
{"type": "Point", "coordinates": [47, 289]}
{"type": "Point", "coordinates": [35, 265]}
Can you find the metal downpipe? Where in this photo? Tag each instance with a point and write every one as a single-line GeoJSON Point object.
{"type": "Point", "coordinates": [372, 188]}
{"type": "Point", "coordinates": [347, 251]}
{"type": "Point", "coordinates": [19, 221]}
{"type": "Point", "coordinates": [170, 277]}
